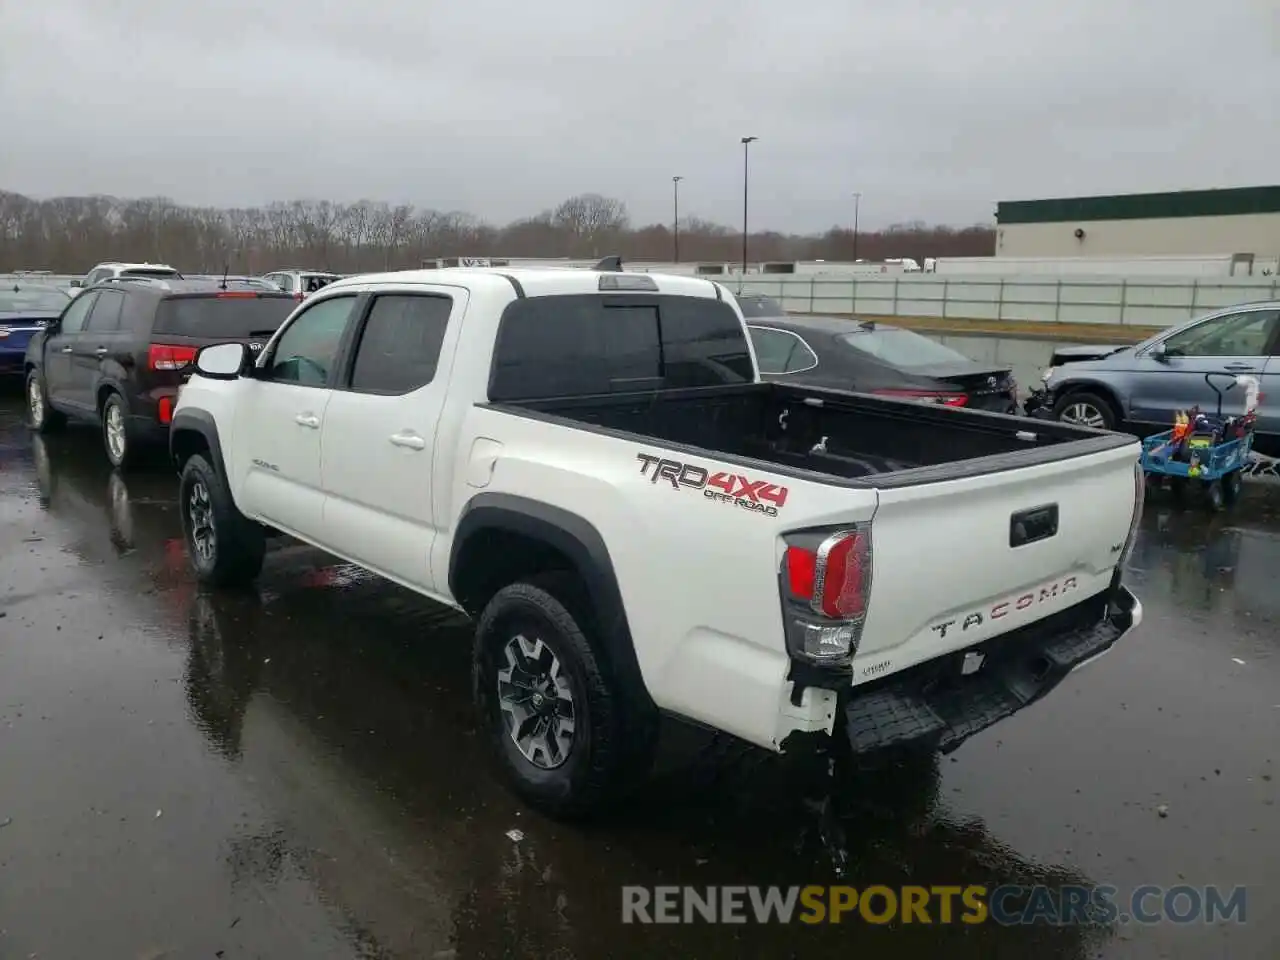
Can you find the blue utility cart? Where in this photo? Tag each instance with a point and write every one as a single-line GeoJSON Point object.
{"type": "Point", "coordinates": [1211, 452]}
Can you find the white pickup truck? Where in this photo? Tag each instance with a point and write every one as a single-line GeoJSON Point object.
{"type": "Point", "coordinates": [588, 464]}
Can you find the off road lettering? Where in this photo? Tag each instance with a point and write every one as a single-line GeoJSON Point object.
{"type": "Point", "coordinates": [755, 496]}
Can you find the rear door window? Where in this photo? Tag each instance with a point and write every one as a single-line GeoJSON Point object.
{"type": "Point", "coordinates": [400, 344]}
{"type": "Point", "coordinates": [223, 317]}
{"type": "Point", "coordinates": [105, 317]}
{"type": "Point", "coordinates": [591, 344]}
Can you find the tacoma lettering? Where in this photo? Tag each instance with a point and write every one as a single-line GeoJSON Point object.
{"type": "Point", "coordinates": [1050, 591]}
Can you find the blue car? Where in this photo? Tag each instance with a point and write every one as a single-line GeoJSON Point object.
{"type": "Point", "coordinates": [24, 310]}
{"type": "Point", "coordinates": [1140, 389]}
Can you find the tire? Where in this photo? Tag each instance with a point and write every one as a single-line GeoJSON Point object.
{"type": "Point", "coordinates": [1178, 490]}
{"type": "Point", "coordinates": [1231, 487]}
{"type": "Point", "coordinates": [1086, 410]}
{"type": "Point", "coordinates": [527, 634]}
{"type": "Point", "coordinates": [1214, 495]}
{"type": "Point", "coordinates": [42, 417]}
{"type": "Point", "coordinates": [226, 548]}
{"type": "Point", "coordinates": [118, 437]}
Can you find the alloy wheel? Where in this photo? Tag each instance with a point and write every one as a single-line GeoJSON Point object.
{"type": "Point", "coordinates": [204, 539]}
{"type": "Point", "coordinates": [536, 699]}
{"type": "Point", "coordinates": [35, 401]}
{"type": "Point", "coordinates": [1084, 414]}
{"type": "Point", "coordinates": [115, 432]}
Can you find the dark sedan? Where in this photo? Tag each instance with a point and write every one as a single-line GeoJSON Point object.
{"type": "Point", "coordinates": [871, 357]}
{"type": "Point", "coordinates": [24, 310]}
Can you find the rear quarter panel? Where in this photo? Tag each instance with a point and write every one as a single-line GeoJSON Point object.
{"type": "Point", "coordinates": [698, 575]}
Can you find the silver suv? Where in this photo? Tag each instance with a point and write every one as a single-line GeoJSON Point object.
{"type": "Point", "coordinates": [301, 283]}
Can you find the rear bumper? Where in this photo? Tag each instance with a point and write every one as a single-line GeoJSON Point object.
{"type": "Point", "coordinates": [144, 411]}
{"type": "Point", "coordinates": [937, 706]}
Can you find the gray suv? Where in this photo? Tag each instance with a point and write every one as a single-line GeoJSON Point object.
{"type": "Point", "coordinates": [1139, 389]}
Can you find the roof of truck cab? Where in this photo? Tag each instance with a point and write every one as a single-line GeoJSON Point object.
{"type": "Point", "coordinates": [532, 282]}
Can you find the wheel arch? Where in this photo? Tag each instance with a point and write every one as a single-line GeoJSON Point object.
{"type": "Point", "coordinates": [1103, 391]}
{"type": "Point", "coordinates": [503, 538]}
{"type": "Point", "coordinates": [192, 432]}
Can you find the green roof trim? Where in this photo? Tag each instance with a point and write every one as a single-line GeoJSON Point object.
{"type": "Point", "coordinates": [1230, 202]}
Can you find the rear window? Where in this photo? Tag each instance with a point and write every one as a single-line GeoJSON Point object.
{"type": "Point", "coordinates": [760, 307]}
{"type": "Point", "coordinates": [592, 343]}
{"type": "Point", "coordinates": [148, 272]}
{"type": "Point", "coordinates": [216, 317]}
{"type": "Point", "coordinates": [901, 348]}
{"type": "Point", "coordinates": [32, 299]}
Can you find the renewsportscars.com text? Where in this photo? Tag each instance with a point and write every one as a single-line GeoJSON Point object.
{"type": "Point", "coordinates": [1007, 905]}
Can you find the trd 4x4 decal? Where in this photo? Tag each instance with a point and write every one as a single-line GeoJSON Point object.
{"type": "Point", "coordinates": [757, 496]}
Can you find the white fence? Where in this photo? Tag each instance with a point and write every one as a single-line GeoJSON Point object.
{"type": "Point", "coordinates": [1148, 302]}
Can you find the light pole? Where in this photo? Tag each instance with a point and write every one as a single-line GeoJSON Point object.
{"type": "Point", "coordinates": [746, 146]}
{"type": "Point", "coordinates": [857, 202]}
{"type": "Point", "coordinates": [675, 220]}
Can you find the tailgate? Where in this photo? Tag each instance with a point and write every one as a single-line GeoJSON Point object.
{"type": "Point", "coordinates": [958, 562]}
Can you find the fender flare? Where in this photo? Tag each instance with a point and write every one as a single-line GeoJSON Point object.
{"type": "Point", "coordinates": [578, 540]}
{"type": "Point", "coordinates": [201, 422]}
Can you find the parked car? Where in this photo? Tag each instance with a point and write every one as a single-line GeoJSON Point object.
{"type": "Point", "coordinates": [25, 308]}
{"type": "Point", "coordinates": [301, 283]}
{"type": "Point", "coordinates": [588, 463]}
{"type": "Point", "coordinates": [1140, 388]}
{"type": "Point", "coordinates": [113, 269]}
{"type": "Point", "coordinates": [871, 357]}
{"type": "Point", "coordinates": [119, 352]}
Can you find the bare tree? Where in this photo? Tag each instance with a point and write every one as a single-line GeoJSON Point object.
{"type": "Point", "coordinates": [70, 234]}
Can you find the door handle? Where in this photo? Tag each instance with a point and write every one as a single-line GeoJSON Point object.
{"type": "Point", "coordinates": [66, 349]}
{"type": "Point", "coordinates": [307, 420]}
{"type": "Point", "coordinates": [101, 352]}
{"type": "Point", "coordinates": [410, 440]}
{"type": "Point", "coordinates": [1241, 367]}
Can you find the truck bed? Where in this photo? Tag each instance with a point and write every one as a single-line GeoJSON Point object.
{"type": "Point", "coordinates": [855, 438]}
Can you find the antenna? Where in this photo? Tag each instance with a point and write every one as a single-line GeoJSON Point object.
{"type": "Point", "coordinates": [609, 265]}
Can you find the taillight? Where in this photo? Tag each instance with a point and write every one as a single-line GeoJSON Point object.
{"type": "Point", "coordinates": [826, 587]}
{"type": "Point", "coordinates": [236, 295]}
{"type": "Point", "coordinates": [166, 356]}
{"type": "Point", "coordinates": [926, 396]}
{"type": "Point", "coordinates": [164, 409]}
{"type": "Point", "coordinates": [299, 295]}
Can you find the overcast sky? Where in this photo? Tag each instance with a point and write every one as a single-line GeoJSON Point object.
{"type": "Point", "coordinates": [932, 109]}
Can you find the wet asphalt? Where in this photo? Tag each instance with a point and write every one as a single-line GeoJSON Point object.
{"type": "Point", "coordinates": [295, 772]}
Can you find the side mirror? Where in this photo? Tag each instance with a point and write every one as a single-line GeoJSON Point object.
{"type": "Point", "coordinates": [76, 283]}
{"type": "Point", "coordinates": [1159, 353]}
{"type": "Point", "coordinates": [222, 361]}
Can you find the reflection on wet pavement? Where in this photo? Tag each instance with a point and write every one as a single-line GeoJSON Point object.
{"type": "Point", "coordinates": [294, 771]}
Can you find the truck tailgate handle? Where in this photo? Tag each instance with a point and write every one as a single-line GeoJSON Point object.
{"type": "Point", "coordinates": [1028, 526]}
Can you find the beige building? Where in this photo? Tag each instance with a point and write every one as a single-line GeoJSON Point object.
{"type": "Point", "coordinates": [1244, 220]}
